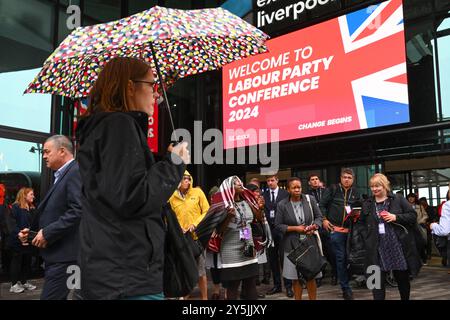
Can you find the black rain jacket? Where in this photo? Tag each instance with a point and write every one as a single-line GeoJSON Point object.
{"type": "Point", "coordinates": [121, 230]}
{"type": "Point", "coordinates": [403, 226]}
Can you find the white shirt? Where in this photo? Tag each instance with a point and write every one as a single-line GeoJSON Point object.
{"type": "Point", "coordinates": [443, 227]}
{"type": "Point", "coordinates": [275, 193]}
{"type": "Point", "coordinates": [60, 171]}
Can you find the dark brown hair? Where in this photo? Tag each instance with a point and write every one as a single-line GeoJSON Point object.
{"type": "Point", "coordinates": [347, 171]}
{"type": "Point", "coordinates": [313, 174]}
{"type": "Point", "coordinates": [110, 90]}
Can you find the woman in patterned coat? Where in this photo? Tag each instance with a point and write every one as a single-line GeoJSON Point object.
{"type": "Point", "coordinates": [389, 240]}
{"type": "Point", "coordinates": [237, 256]}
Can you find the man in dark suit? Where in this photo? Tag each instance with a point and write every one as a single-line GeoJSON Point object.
{"type": "Point", "coordinates": [60, 213]}
{"type": "Point", "coordinates": [272, 197]}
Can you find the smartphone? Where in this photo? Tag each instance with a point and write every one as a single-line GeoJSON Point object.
{"type": "Point", "coordinates": [31, 235]}
{"type": "Point", "coordinates": [383, 213]}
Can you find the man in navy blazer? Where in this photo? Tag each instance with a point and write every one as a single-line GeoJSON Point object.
{"type": "Point", "coordinates": [272, 197]}
{"type": "Point", "coordinates": [60, 213]}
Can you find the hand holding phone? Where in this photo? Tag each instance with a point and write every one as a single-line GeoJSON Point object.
{"type": "Point", "coordinates": [31, 235]}
{"type": "Point", "coordinates": [384, 213]}
{"type": "Point", "coordinates": [387, 216]}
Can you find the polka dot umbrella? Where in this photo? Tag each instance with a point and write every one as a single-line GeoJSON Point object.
{"type": "Point", "coordinates": [182, 42]}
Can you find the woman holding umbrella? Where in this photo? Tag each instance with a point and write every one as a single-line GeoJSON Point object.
{"type": "Point", "coordinates": [121, 229]}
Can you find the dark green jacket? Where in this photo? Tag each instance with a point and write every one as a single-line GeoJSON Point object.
{"type": "Point", "coordinates": [332, 204]}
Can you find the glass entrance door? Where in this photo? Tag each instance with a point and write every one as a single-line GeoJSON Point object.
{"type": "Point", "coordinates": [432, 184]}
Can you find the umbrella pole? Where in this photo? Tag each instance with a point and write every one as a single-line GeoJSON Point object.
{"type": "Point", "coordinates": [158, 71]}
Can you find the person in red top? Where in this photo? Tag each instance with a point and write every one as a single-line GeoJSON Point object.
{"type": "Point", "coordinates": [2, 194]}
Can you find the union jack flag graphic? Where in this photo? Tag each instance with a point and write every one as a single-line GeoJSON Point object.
{"type": "Point", "coordinates": [381, 97]}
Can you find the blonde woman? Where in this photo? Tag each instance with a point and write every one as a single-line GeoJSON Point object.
{"type": "Point", "coordinates": [22, 213]}
{"type": "Point", "coordinates": [390, 244]}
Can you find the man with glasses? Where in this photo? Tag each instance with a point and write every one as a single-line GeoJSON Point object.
{"type": "Point", "coordinates": [190, 206]}
{"type": "Point", "coordinates": [335, 205]}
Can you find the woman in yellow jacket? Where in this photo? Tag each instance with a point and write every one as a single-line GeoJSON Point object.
{"type": "Point", "coordinates": [190, 206]}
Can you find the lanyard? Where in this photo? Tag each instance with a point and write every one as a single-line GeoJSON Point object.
{"type": "Point", "coordinates": [241, 215]}
{"type": "Point", "coordinates": [343, 194]}
{"type": "Point", "coordinates": [382, 207]}
{"type": "Point", "coordinates": [296, 206]}
{"type": "Point", "coordinates": [345, 202]}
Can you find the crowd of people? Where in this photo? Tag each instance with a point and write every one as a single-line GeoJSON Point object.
{"type": "Point", "coordinates": [103, 214]}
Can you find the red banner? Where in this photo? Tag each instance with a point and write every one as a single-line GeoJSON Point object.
{"type": "Point", "coordinates": [152, 136]}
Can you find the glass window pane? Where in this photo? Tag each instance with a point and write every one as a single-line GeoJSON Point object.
{"type": "Point", "coordinates": [64, 18]}
{"type": "Point", "coordinates": [443, 192]}
{"type": "Point", "coordinates": [443, 44]}
{"type": "Point", "coordinates": [304, 177]}
{"type": "Point", "coordinates": [20, 166]}
{"type": "Point", "coordinates": [421, 76]}
{"type": "Point", "coordinates": [398, 183]}
{"type": "Point", "coordinates": [18, 155]}
{"type": "Point", "coordinates": [186, 4]}
{"type": "Point", "coordinates": [423, 192]}
{"type": "Point", "coordinates": [99, 11]}
{"type": "Point", "coordinates": [136, 6]}
{"type": "Point", "coordinates": [29, 111]}
{"type": "Point", "coordinates": [434, 192]}
{"type": "Point", "coordinates": [213, 3]}
{"type": "Point", "coordinates": [25, 34]}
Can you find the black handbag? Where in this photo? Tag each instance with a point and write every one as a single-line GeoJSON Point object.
{"type": "Point", "coordinates": [258, 235]}
{"type": "Point", "coordinates": [180, 274]}
{"type": "Point", "coordinates": [307, 258]}
{"type": "Point", "coordinates": [440, 242]}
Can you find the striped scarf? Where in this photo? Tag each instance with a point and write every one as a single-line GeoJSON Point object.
{"type": "Point", "coordinates": [224, 198]}
{"type": "Point", "coordinates": [221, 200]}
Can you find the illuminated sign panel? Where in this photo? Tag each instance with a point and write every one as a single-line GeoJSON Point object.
{"type": "Point", "coordinates": [345, 74]}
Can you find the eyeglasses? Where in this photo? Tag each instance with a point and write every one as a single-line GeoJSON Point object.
{"type": "Point", "coordinates": [187, 178]}
{"type": "Point", "coordinates": [154, 84]}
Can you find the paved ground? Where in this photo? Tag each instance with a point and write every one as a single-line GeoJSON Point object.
{"type": "Point", "coordinates": [433, 283]}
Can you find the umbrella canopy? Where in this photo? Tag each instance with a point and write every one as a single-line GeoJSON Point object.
{"type": "Point", "coordinates": [185, 42]}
